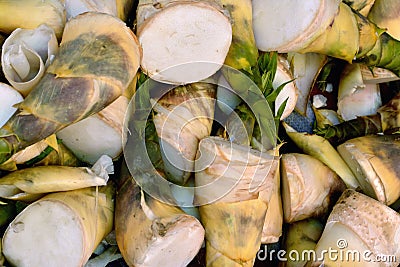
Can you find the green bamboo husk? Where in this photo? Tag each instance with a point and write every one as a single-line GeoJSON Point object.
{"type": "Point", "coordinates": [243, 52]}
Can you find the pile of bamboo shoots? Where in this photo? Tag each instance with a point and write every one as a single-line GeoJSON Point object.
{"type": "Point", "coordinates": [199, 133]}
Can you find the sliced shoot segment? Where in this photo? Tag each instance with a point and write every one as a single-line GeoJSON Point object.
{"type": "Point", "coordinates": [374, 159]}
{"type": "Point", "coordinates": [99, 134]}
{"type": "Point", "coordinates": [61, 229]}
{"type": "Point", "coordinates": [152, 233]}
{"type": "Point", "coordinates": [288, 25]}
{"type": "Point", "coordinates": [362, 225]}
{"type": "Point", "coordinates": [306, 193]}
{"type": "Point", "coordinates": [189, 48]}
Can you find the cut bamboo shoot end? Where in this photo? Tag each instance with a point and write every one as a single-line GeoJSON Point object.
{"type": "Point", "coordinates": [374, 160]}
{"type": "Point", "coordinates": [171, 236]}
{"type": "Point", "coordinates": [188, 48]}
{"type": "Point", "coordinates": [307, 194]}
{"type": "Point", "coordinates": [99, 134]}
{"type": "Point", "coordinates": [286, 26]}
{"type": "Point", "coordinates": [8, 98]}
{"type": "Point", "coordinates": [361, 224]}
{"type": "Point", "coordinates": [335, 231]}
{"type": "Point", "coordinates": [289, 92]}
{"type": "Point", "coordinates": [46, 233]}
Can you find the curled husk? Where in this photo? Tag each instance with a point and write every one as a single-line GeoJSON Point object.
{"type": "Point", "coordinates": [97, 60]}
{"type": "Point", "coordinates": [48, 151]}
{"type": "Point", "coordinates": [361, 224]}
{"type": "Point", "coordinates": [26, 54]}
{"type": "Point", "coordinates": [229, 181]}
{"type": "Point", "coordinates": [307, 193]}
{"type": "Point", "coordinates": [73, 223]}
{"type": "Point", "coordinates": [34, 181]}
{"type": "Point", "coordinates": [183, 117]}
{"type": "Point", "coordinates": [374, 159]}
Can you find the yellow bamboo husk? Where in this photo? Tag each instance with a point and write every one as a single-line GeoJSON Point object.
{"type": "Point", "coordinates": [229, 181]}
{"type": "Point", "coordinates": [60, 229]}
{"type": "Point", "coordinates": [152, 233]}
{"type": "Point", "coordinates": [48, 151]}
{"type": "Point", "coordinates": [374, 160]}
{"type": "Point", "coordinates": [361, 6]}
{"type": "Point", "coordinates": [340, 39]}
{"type": "Point", "coordinates": [385, 14]}
{"type": "Point", "coordinates": [243, 51]}
{"type": "Point", "coordinates": [30, 14]}
{"type": "Point", "coordinates": [306, 193]}
{"type": "Point", "coordinates": [321, 149]}
{"type": "Point", "coordinates": [36, 181]}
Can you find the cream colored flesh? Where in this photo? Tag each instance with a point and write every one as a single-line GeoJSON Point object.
{"type": "Point", "coordinates": [184, 43]}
